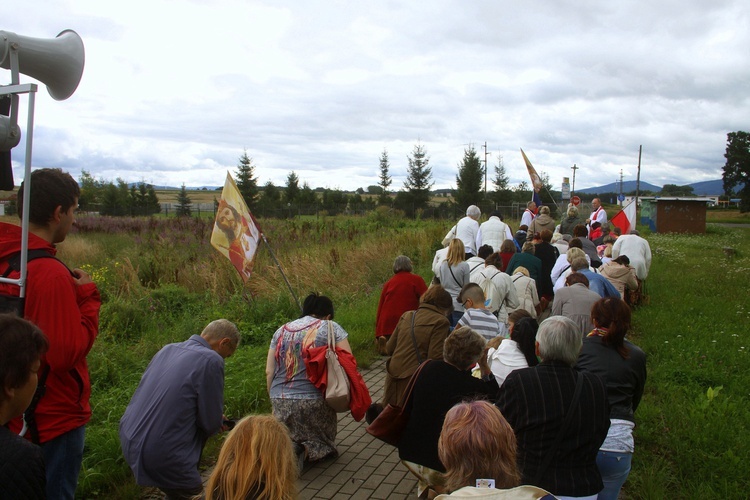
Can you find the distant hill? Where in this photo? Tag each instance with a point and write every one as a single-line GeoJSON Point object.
{"type": "Point", "coordinates": [705, 188]}
{"type": "Point", "coordinates": [614, 187]}
{"type": "Point", "coordinates": [708, 187]}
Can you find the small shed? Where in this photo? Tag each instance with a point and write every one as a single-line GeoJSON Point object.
{"type": "Point", "coordinates": [675, 215]}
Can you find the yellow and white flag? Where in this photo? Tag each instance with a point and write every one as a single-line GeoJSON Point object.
{"type": "Point", "coordinates": [235, 234]}
{"type": "Point", "coordinates": [536, 181]}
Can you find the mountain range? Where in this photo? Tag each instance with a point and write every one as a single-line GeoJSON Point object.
{"type": "Point", "coordinates": [705, 188]}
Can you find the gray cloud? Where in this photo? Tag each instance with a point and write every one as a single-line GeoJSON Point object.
{"type": "Point", "coordinates": [322, 88]}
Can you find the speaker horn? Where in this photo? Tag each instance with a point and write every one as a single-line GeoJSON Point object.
{"type": "Point", "coordinates": [56, 62]}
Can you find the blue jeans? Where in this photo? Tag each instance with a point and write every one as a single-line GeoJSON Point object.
{"type": "Point", "coordinates": [614, 467]}
{"type": "Point", "coordinates": [455, 316]}
{"type": "Point", "coordinates": [62, 459]}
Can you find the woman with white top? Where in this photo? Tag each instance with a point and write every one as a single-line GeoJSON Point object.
{"type": "Point", "coordinates": [516, 352]}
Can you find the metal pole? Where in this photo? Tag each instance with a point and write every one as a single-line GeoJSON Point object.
{"type": "Point", "coordinates": [26, 195]}
{"type": "Point", "coordinates": [485, 170]}
{"type": "Point", "coordinates": [572, 191]}
{"type": "Point", "coordinates": [273, 256]}
{"type": "Point", "coordinates": [638, 179]}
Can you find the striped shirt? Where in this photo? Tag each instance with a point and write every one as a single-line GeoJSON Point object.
{"type": "Point", "coordinates": [483, 322]}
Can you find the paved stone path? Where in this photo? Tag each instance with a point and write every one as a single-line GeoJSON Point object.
{"type": "Point", "coordinates": [365, 467]}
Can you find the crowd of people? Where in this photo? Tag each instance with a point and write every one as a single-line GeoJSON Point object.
{"type": "Point", "coordinates": [527, 387]}
{"type": "Point", "coordinates": [538, 333]}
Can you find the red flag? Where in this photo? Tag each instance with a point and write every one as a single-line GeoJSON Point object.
{"type": "Point", "coordinates": [625, 218]}
{"type": "Point", "coordinates": [536, 181]}
{"type": "Point", "coordinates": [235, 234]}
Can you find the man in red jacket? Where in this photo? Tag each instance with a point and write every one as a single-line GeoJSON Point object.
{"type": "Point", "coordinates": [65, 305]}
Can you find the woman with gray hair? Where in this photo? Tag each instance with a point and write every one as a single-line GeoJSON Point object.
{"type": "Point", "coordinates": [400, 294]}
{"type": "Point", "coordinates": [442, 384]}
{"type": "Point", "coordinates": [571, 221]}
{"type": "Point", "coordinates": [542, 221]}
{"type": "Point", "coordinates": [560, 416]}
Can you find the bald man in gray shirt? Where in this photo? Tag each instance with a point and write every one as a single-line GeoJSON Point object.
{"type": "Point", "coordinates": [178, 404]}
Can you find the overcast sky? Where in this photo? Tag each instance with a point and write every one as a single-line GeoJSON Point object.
{"type": "Point", "coordinates": [174, 91]}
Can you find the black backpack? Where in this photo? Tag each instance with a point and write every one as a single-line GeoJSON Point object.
{"type": "Point", "coordinates": [14, 303]}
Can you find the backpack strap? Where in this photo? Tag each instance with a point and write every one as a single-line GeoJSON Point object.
{"type": "Point", "coordinates": [29, 416]}
{"type": "Point", "coordinates": [14, 261]}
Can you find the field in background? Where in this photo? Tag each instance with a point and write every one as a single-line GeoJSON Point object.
{"type": "Point", "coordinates": [161, 282]}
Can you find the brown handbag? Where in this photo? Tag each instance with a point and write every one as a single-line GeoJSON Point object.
{"type": "Point", "coordinates": [391, 422]}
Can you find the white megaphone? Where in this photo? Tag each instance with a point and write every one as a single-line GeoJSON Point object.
{"type": "Point", "coordinates": [56, 62]}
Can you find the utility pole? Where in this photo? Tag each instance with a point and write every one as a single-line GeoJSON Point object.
{"type": "Point", "coordinates": [638, 179]}
{"type": "Point", "coordinates": [485, 169]}
{"type": "Point", "coordinates": [573, 168]}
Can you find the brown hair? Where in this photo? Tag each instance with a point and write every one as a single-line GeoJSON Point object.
{"type": "Point", "coordinates": [471, 291]}
{"type": "Point", "coordinates": [477, 442]}
{"type": "Point", "coordinates": [546, 235]}
{"type": "Point", "coordinates": [574, 278]}
{"type": "Point", "coordinates": [50, 188]}
{"type": "Point", "coordinates": [517, 315]}
{"type": "Point", "coordinates": [21, 345]}
{"type": "Point", "coordinates": [614, 315]}
{"type": "Point", "coordinates": [256, 461]}
{"type": "Point", "coordinates": [508, 246]}
{"type": "Point", "coordinates": [494, 260]}
{"type": "Point", "coordinates": [437, 296]}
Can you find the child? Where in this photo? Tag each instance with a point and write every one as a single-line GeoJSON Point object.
{"type": "Point", "coordinates": [476, 315]}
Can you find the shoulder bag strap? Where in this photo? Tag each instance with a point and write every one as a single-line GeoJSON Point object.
{"type": "Point", "coordinates": [473, 268]}
{"type": "Point", "coordinates": [454, 276]}
{"type": "Point", "coordinates": [407, 392]}
{"type": "Point", "coordinates": [414, 338]}
{"type": "Point", "coordinates": [331, 337]}
{"type": "Point", "coordinates": [563, 428]}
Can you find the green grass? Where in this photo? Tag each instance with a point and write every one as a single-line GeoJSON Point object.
{"type": "Point", "coordinates": [692, 434]}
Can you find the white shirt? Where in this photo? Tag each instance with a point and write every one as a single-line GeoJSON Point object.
{"type": "Point", "coordinates": [598, 215]}
{"type": "Point", "coordinates": [440, 256]}
{"type": "Point", "coordinates": [466, 230]}
{"type": "Point", "coordinates": [505, 359]}
{"type": "Point", "coordinates": [527, 217]}
{"type": "Point", "coordinates": [637, 250]}
{"type": "Point", "coordinates": [476, 266]}
{"type": "Point", "coordinates": [560, 283]}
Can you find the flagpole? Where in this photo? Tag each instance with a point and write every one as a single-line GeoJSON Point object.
{"type": "Point", "coordinates": [278, 264]}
